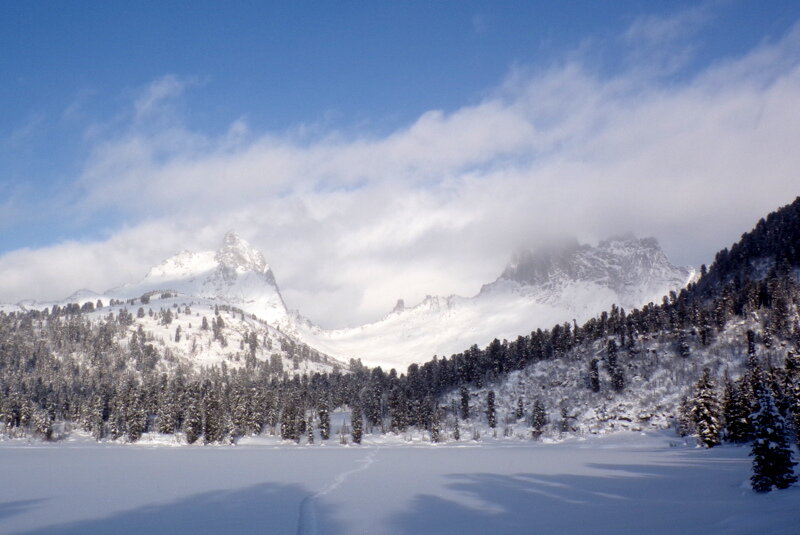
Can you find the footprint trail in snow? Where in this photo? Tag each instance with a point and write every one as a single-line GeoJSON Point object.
{"type": "Point", "coordinates": [307, 521]}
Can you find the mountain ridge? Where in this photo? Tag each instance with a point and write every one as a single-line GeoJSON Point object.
{"type": "Point", "coordinates": [512, 305]}
{"type": "Point", "coordinates": [563, 283]}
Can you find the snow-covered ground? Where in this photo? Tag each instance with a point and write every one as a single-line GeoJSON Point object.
{"type": "Point", "coordinates": [622, 483]}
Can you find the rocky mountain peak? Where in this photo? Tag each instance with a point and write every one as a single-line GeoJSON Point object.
{"type": "Point", "coordinates": [237, 254]}
{"type": "Point", "coordinates": [635, 270]}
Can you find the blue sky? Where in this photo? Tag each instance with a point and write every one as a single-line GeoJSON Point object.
{"type": "Point", "coordinates": [125, 121]}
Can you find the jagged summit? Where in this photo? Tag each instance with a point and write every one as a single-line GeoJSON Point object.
{"type": "Point", "coordinates": [635, 269]}
{"type": "Point", "coordinates": [236, 253]}
{"type": "Point", "coordinates": [236, 274]}
{"type": "Point", "coordinates": [537, 290]}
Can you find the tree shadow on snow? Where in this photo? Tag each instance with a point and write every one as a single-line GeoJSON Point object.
{"type": "Point", "coordinates": [259, 509]}
{"type": "Point", "coordinates": [16, 507]}
{"type": "Point", "coordinates": [621, 498]}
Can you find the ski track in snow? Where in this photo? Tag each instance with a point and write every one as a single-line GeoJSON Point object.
{"type": "Point", "coordinates": [307, 519]}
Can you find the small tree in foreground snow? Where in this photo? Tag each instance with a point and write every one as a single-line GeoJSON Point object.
{"type": "Point", "coordinates": [772, 455]}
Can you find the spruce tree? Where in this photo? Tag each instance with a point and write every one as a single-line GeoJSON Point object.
{"type": "Point", "coordinates": [289, 420]}
{"type": "Point", "coordinates": [617, 377]}
{"type": "Point", "coordinates": [538, 419]}
{"type": "Point", "coordinates": [491, 415]}
{"type": "Point", "coordinates": [193, 418]}
{"type": "Point", "coordinates": [771, 452]}
{"type": "Point", "coordinates": [324, 421]}
{"type": "Point", "coordinates": [137, 422]}
{"type": "Point", "coordinates": [736, 414]}
{"type": "Point", "coordinates": [594, 376]}
{"type": "Point", "coordinates": [435, 426]}
{"type": "Point", "coordinates": [705, 411]}
{"type": "Point", "coordinates": [310, 430]}
{"type": "Point", "coordinates": [399, 411]}
{"type": "Point", "coordinates": [213, 417]}
{"type": "Point", "coordinates": [793, 390]}
{"type": "Point", "coordinates": [464, 403]}
{"type": "Point", "coordinates": [357, 424]}
{"type": "Point", "coordinates": [43, 425]}
{"type": "Point", "coordinates": [565, 425]}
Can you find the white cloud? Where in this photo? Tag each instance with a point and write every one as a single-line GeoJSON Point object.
{"type": "Point", "coordinates": [662, 44]}
{"type": "Point", "coordinates": [160, 90]}
{"type": "Point", "coordinates": [351, 223]}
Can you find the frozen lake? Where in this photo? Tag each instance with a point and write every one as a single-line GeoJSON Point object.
{"type": "Point", "coordinates": [626, 483]}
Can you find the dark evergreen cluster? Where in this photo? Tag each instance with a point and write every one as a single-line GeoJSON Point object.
{"type": "Point", "coordinates": [775, 238]}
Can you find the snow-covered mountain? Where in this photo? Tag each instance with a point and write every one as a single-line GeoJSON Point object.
{"type": "Point", "coordinates": [235, 274]}
{"type": "Point", "coordinates": [635, 271]}
{"type": "Point", "coordinates": [204, 308]}
{"type": "Point", "coordinates": [536, 290]}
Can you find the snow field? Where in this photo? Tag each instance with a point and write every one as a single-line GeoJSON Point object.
{"type": "Point", "coordinates": [623, 483]}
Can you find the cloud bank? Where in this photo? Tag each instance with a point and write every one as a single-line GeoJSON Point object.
{"type": "Point", "coordinates": [352, 221]}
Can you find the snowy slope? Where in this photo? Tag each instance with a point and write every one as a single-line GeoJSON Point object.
{"type": "Point", "coordinates": [233, 283]}
{"type": "Point", "coordinates": [184, 339]}
{"type": "Point", "coordinates": [537, 290]}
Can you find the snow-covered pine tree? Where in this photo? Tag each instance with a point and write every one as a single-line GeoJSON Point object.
{"type": "Point", "coordinates": [324, 421]}
{"type": "Point", "coordinates": [736, 414]}
{"type": "Point", "coordinates": [491, 415]}
{"type": "Point", "coordinates": [617, 377]}
{"type": "Point", "coordinates": [240, 408]}
{"type": "Point", "coordinates": [464, 403]}
{"type": "Point", "coordinates": [436, 425]}
{"type": "Point", "coordinates": [166, 317]}
{"type": "Point", "coordinates": [193, 419]}
{"type": "Point", "coordinates": [398, 408]}
{"type": "Point", "coordinates": [538, 419]}
{"type": "Point", "coordinates": [564, 424]}
{"type": "Point", "coordinates": [43, 425]}
{"type": "Point", "coordinates": [257, 415]}
{"type": "Point", "coordinates": [771, 452]}
{"type": "Point", "coordinates": [792, 390]}
{"type": "Point", "coordinates": [289, 420]}
{"type": "Point", "coordinates": [300, 425]}
{"type": "Point", "coordinates": [213, 417]}
{"type": "Point", "coordinates": [357, 424]}
{"type": "Point", "coordinates": [168, 410]}
{"type": "Point", "coordinates": [96, 419]}
{"type": "Point", "coordinates": [594, 376]}
{"type": "Point", "coordinates": [705, 411]}
{"type": "Point", "coordinates": [137, 419]}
